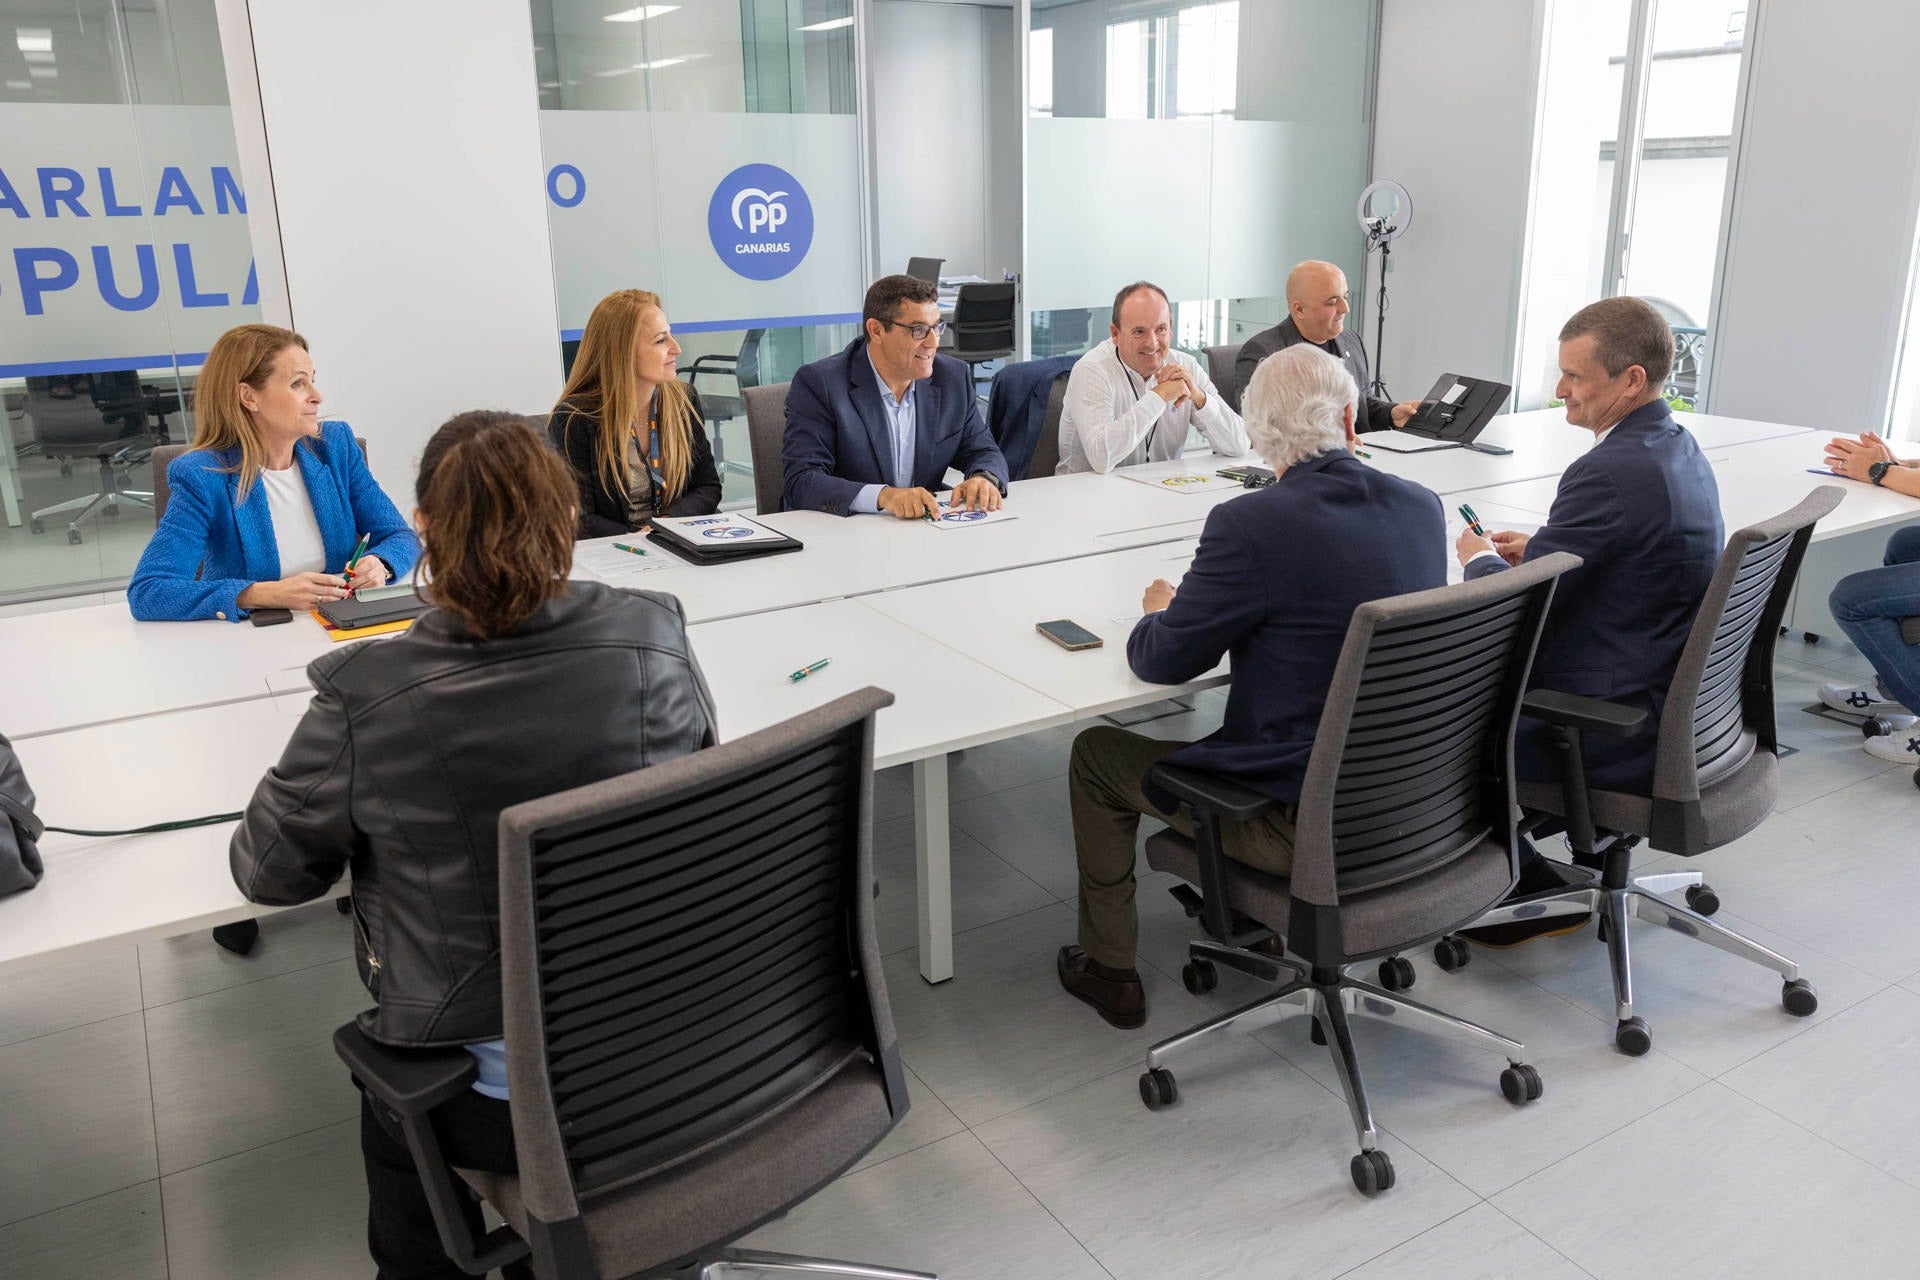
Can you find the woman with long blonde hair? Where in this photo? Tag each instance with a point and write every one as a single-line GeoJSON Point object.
{"type": "Point", "coordinates": [631, 432]}
{"type": "Point", "coordinates": [270, 503]}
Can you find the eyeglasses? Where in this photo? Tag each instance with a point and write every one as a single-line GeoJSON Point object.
{"type": "Point", "coordinates": [918, 332]}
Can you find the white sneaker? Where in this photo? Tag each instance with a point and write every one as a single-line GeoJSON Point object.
{"type": "Point", "coordinates": [1865, 700]}
{"type": "Point", "coordinates": [1902, 746]}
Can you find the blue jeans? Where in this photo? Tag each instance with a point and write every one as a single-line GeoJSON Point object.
{"type": "Point", "coordinates": [1869, 606]}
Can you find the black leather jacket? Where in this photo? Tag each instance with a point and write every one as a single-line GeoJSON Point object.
{"type": "Point", "coordinates": [411, 749]}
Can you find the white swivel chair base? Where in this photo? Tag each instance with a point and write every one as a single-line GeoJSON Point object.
{"type": "Point", "coordinates": [734, 1261]}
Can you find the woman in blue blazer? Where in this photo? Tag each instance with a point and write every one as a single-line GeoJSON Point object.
{"type": "Point", "coordinates": [270, 502]}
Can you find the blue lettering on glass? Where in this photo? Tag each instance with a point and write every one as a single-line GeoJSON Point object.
{"type": "Point", "coordinates": [190, 295]}
{"type": "Point", "coordinates": [175, 191]}
{"type": "Point", "coordinates": [226, 191]}
{"type": "Point", "coordinates": [108, 197]}
{"type": "Point", "coordinates": [553, 185]}
{"type": "Point", "coordinates": [33, 286]}
{"type": "Point", "coordinates": [67, 192]}
{"type": "Point", "coordinates": [250, 293]}
{"type": "Point", "coordinates": [760, 221]}
{"type": "Point", "coordinates": [10, 199]}
{"type": "Point", "coordinates": [149, 278]}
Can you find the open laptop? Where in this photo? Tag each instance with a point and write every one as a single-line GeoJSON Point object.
{"type": "Point", "coordinates": [1451, 415]}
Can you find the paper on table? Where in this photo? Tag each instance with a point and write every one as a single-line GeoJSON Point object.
{"type": "Point", "coordinates": [961, 518]}
{"type": "Point", "coordinates": [727, 527]}
{"type": "Point", "coordinates": [1180, 475]}
{"type": "Point", "coordinates": [604, 560]}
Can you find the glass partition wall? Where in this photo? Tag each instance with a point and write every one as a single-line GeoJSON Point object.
{"type": "Point", "coordinates": [124, 252]}
{"type": "Point", "coordinates": [1205, 146]}
{"type": "Point", "coordinates": [708, 150]}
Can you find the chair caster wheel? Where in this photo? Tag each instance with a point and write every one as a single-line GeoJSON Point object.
{"type": "Point", "coordinates": [1372, 1172]}
{"type": "Point", "coordinates": [73, 537]}
{"type": "Point", "coordinates": [110, 509]}
{"type": "Point", "coordinates": [1703, 899]}
{"type": "Point", "coordinates": [1199, 976]}
{"type": "Point", "coordinates": [37, 526]}
{"type": "Point", "coordinates": [1452, 953]}
{"type": "Point", "coordinates": [343, 905]}
{"type": "Point", "coordinates": [237, 937]}
{"type": "Point", "coordinates": [1876, 727]}
{"type": "Point", "coordinates": [1633, 1036]}
{"type": "Point", "coordinates": [1797, 997]}
{"type": "Point", "coordinates": [1520, 1084]}
{"type": "Point", "coordinates": [1396, 973]}
{"type": "Point", "coordinates": [1157, 1089]}
{"type": "Point", "coordinates": [1316, 1032]}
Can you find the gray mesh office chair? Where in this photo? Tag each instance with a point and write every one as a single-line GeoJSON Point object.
{"type": "Point", "coordinates": [744, 368]}
{"type": "Point", "coordinates": [1405, 830]}
{"type": "Point", "coordinates": [766, 430]}
{"type": "Point", "coordinates": [1716, 773]}
{"type": "Point", "coordinates": [927, 269]}
{"type": "Point", "coordinates": [1220, 363]}
{"type": "Point", "coordinates": [110, 434]}
{"type": "Point", "coordinates": [1046, 449]}
{"type": "Point", "coordinates": [698, 1035]}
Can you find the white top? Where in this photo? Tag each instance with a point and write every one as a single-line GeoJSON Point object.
{"type": "Point", "coordinates": [295, 530]}
{"type": "Point", "coordinates": [1112, 417]}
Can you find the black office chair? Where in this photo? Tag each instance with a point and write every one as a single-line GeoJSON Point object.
{"type": "Point", "coordinates": [982, 325]}
{"type": "Point", "coordinates": [1715, 773]}
{"type": "Point", "coordinates": [1220, 369]}
{"type": "Point", "coordinates": [96, 425]}
{"type": "Point", "coordinates": [1405, 830]}
{"type": "Point", "coordinates": [744, 368]}
{"type": "Point", "coordinates": [766, 432]}
{"type": "Point", "coordinates": [1046, 450]}
{"type": "Point", "coordinates": [697, 1030]}
{"type": "Point", "coordinates": [927, 269]}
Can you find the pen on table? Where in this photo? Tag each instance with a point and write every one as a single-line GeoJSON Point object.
{"type": "Point", "coordinates": [807, 670]}
{"type": "Point", "coordinates": [1473, 521]}
{"type": "Point", "coordinates": [621, 546]}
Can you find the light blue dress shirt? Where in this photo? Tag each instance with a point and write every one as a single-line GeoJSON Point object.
{"type": "Point", "coordinates": [903, 426]}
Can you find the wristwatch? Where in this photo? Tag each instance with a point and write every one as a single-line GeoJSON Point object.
{"type": "Point", "coordinates": [1878, 471]}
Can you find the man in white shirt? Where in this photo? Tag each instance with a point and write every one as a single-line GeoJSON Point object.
{"type": "Point", "coordinates": [1133, 398]}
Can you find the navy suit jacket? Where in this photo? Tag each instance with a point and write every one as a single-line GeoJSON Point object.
{"type": "Point", "coordinates": [836, 441]}
{"type": "Point", "coordinates": [1642, 511]}
{"type": "Point", "coordinates": [1274, 582]}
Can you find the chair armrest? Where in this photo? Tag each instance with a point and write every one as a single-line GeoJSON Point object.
{"type": "Point", "coordinates": [1582, 713]}
{"type": "Point", "coordinates": [409, 1081]}
{"type": "Point", "coordinates": [1212, 793]}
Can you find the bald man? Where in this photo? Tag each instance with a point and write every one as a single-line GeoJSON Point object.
{"type": "Point", "coordinates": [1317, 313]}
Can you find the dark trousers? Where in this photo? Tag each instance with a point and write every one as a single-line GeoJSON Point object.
{"type": "Point", "coordinates": [475, 1132]}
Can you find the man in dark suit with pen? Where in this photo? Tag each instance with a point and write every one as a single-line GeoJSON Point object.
{"type": "Point", "coordinates": [1274, 583]}
{"type": "Point", "coordinates": [874, 428]}
{"type": "Point", "coordinates": [1642, 511]}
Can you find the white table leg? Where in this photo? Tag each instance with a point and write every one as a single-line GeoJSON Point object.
{"type": "Point", "coordinates": [932, 848]}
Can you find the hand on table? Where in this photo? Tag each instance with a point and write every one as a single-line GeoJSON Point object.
{"type": "Point", "coordinates": [301, 591]}
{"type": "Point", "coordinates": [909, 504]}
{"type": "Point", "coordinates": [975, 493]}
{"type": "Point", "coordinates": [1158, 596]}
{"type": "Point", "coordinates": [1851, 458]}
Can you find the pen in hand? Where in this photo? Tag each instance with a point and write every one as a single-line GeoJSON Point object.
{"type": "Point", "coordinates": [1473, 521]}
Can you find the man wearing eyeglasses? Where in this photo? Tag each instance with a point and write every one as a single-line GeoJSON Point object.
{"type": "Point", "coordinates": [876, 427]}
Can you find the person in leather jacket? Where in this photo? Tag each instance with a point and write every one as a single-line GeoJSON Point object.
{"type": "Point", "coordinates": [518, 683]}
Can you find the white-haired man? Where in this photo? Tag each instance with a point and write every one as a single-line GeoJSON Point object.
{"type": "Point", "coordinates": [1134, 397]}
{"type": "Point", "coordinates": [1274, 583]}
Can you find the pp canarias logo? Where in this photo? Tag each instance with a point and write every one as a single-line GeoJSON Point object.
{"type": "Point", "coordinates": [760, 221]}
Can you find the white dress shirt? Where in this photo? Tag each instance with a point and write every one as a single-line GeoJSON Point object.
{"type": "Point", "coordinates": [1112, 416]}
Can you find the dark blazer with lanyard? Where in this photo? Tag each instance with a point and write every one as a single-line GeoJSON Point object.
{"type": "Point", "coordinates": [1372, 413]}
{"type": "Point", "coordinates": [603, 511]}
{"type": "Point", "coordinates": [1642, 511]}
{"type": "Point", "coordinates": [836, 440]}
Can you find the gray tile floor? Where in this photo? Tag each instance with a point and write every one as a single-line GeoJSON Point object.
{"type": "Point", "coordinates": [177, 1111]}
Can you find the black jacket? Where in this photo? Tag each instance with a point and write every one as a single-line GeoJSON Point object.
{"type": "Point", "coordinates": [1372, 413]}
{"type": "Point", "coordinates": [413, 746]}
{"type": "Point", "coordinates": [604, 512]}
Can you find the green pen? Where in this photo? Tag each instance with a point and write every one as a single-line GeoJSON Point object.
{"type": "Point", "coordinates": [359, 549]}
{"type": "Point", "coordinates": [621, 546]}
{"type": "Point", "coordinates": [807, 670]}
{"type": "Point", "coordinates": [1473, 521]}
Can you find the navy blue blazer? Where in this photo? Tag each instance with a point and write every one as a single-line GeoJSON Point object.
{"type": "Point", "coordinates": [210, 546]}
{"type": "Point", "coordinates": [836, 441]}
{"type": "Point", "coordinates": [1642, 511]}
{"type": "Point", "coordinates": [1274, 582]}
{"type": "Point", "coordinates": [1017, 407]}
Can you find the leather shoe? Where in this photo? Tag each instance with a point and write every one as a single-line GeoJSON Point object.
{"type": "Point", "coordinates": [1115, 994]}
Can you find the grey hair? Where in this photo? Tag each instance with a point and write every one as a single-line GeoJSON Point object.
{"type": "Point", "coordinates": [1294, 406]}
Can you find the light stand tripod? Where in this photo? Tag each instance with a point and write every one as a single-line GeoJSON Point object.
{"type": "Point", "coordinates": [1378, 387]}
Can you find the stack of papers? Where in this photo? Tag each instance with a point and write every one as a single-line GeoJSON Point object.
{"type": "Point", "coordinates": [961, 518]}
{"type": "Point", "coordinates": [727, 528]}
{"type": "Point", "coordinates": [1180, 475]}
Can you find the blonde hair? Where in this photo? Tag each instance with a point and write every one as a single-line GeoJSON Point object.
{"type": "Point", "coordinates": [243, 354]}
{"type": "Point", "coordinates": [605, 386]}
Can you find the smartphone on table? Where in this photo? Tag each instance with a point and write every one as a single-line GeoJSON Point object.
{"type": "Point", "coordinates": [1068, 635]}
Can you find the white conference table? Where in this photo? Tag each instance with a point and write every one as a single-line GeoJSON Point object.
{"type": "Point", "coordinates": [944, 618]}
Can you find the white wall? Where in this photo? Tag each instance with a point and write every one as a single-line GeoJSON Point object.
{"type": "Point", "coordinates": [1004, 122]}
{"type": "Point", "coordinates": [412, 214]}
{"type": "Point", "coordinates": [1823, 226]}
{"type": "Point", "coordinates": [1453, 123]}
